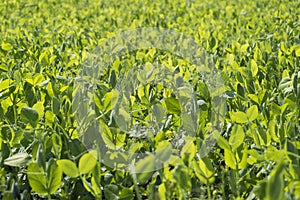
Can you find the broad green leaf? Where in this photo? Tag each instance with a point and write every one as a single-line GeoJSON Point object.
{"type": "Point", "coordinates": [163, 151]}
{"type": "Point", "coordinates": [206, 167]}
{"type": "Point", "coordinates": [158, 112]}
{"type": "Point", "coordinates": [146, 164]}
{"type": "Point", "coordinates": [87, 163]}
{"type": "Point", "coordinates": [56, 144]}
{"type": "Point", "coordinates": [3, 68]}
{"type": "Point", "coordinates": [111, 191]}
{"type": "Point", "coordinates": [173, 105]}
{"type": "Point", "coordinates": [68, 167]}
{"type": "Point", "coordinates": [236, 137]}
{"type": "Point", "coordinates": [190, 126]}
{"type": "Point", "coordinates": [239, 117]}
{"type": "Point", "coordinates": [240, 90]}
{"type": "Point", "coordinates": [18, 160]}
{"type": "Point", "coordinates": [40, 156]}
{"type": "Point", "coordinates": [54, 177]}
{"type": "Point", "coordinates": [6, 46]}
{"type": "Point", "coordinates": [120, 139]}
{"type": "Point", "coordinates": [204, 170]}
{"type": "Point", "coordinates": [37, 179]}
{"type": "Point", "coordinates": [244, 47]}
{"type": "Point", "coordinates": [275, 184]}
{"type": "Point", "coordinates": [30, 115]}
{"type": "Point", "coordinates": [222, 142]}
{"type": "Point", "coordinates": [43, 56]}
{"type": "Point", "coordinates": [145, 168]}
{"type": "Point", "coordinates": [204, 91]}
{"type": "Point", "coordinates": [229, 159]}
{"type": "Point", "coordinates": [252, 113]}
{"type": "Point", "coordinates": [5, 84]}
{"type": "Point", "coordinates": [107, 135]}
{"type": "Point", "coordinates": [49, 118]}
{"type": "Point", "coordinates": [182, 177]}
{"type": "Point", "coordinates": [38, 79]}
{"type": "Point", "coordinates": [122, 118]}
{"type": "Point", "coordinates": [190, 149]}
{"type": "Point", "coordinates": [110, 100]}
{"type": "Point", "coordinates": [39, 107]}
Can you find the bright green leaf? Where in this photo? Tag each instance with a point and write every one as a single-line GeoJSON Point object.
{"type": "Point", "coordinates": [68, 167]}
{"type": "Point", "coordinates": [86, 163]}
{"type": "Point", "coordinates": [6, 46]}
{"type": "Point", "coordinates": [37, 179]}
{"type": "Point", "coordinates": [229, 159]}
{"type": "Point", "coordinates": [252, 113]}
{"type": "Point", "coordinates": [239, 117]}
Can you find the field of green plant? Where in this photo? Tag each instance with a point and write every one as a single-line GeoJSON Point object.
{"type": "Point", "coordinates": [48, 150]}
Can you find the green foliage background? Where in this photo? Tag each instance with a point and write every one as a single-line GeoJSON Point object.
{"type": "Point", "coordinates": [256, 47]}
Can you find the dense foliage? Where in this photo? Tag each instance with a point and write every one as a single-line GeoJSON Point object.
{"type": "Point", "coordinates": [255, 46]}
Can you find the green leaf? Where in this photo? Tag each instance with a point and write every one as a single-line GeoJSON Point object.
{"type": "Point", "coordinates": [107, 135]}
{"type": "Point", "coordinates": [206, 167]}
{"type": "Point", "coordinates": [275, 184]}
{"type": "Point", "coordinates": [50, 90]}
{"type": "Point", "coordinates": [30, 115]}
{"type": "Point", "coordinates": [144, 168]}
{"type": "Point", "coordinates": [173, 106]}
{"type": "Point", "coordinates": [244, 47]}
{"type": "Point", "coordinates": [243, 161]}
{"type": "Point", "coordinates": [240, 90]}
{"type": "Point", "coordinates": [39, 107]}
{"type": "Point", "coordinates": [162, 191]}
{"type": "Point", "coordinates": [236, 137]}
{"type": "Point", "coordinates": [110, 100]}
{"type": "Point", "coordinates": [252, 113]}
{"type": "Point", "coordinates": [68, 167]}
{"type": "Point", "coordinates": [204, 170]}
{"type": "Point", "coordinates": [254, 68]}
{"type": "Point", "coordinates": [126, 194]}
{"type": "Point", "coordinates": [190, 126]}
{"type": "Point", "coordinates": [229, 159]}
{"type": "Point", "coordinates": [111, 191]}
{"type": "Point", "coordinates": [158, 112]}
{"type": "Point", "coordinates": [37, 179]}
{"type": "Point", "coordinates": [297, 52]}
{"type": "Point", "coordinates": [112, 78]}
{"type": "Point", "coordinates": [18, 160]}
{"type": "Point", "coordinates": [182, 177]}
{"type": "Point", "coordinates": [87, 163]}
{"type": "Point", "coordinates": [239, 117]}
{"type": "Point", "coordinates": [5, 84]}
{"type": "Point", "coordinates": [189, 149]}
{"type": "Point", "coordinates": [50, 118]}
{"type": "Point", "coordinates": [163, 151]}
{"type": "Point", "coordinates": [38, 79]}
{"type": "Point", "coordinates": [6, 46]}
{"type": "Point", "coordinates": [56, 143]}
{"type": "Point", "coordinates": [222, 142]}
{"type": "Point", "coordinates": [95, 187]}
{"type": "Point", "coordinates": [54, 177]}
